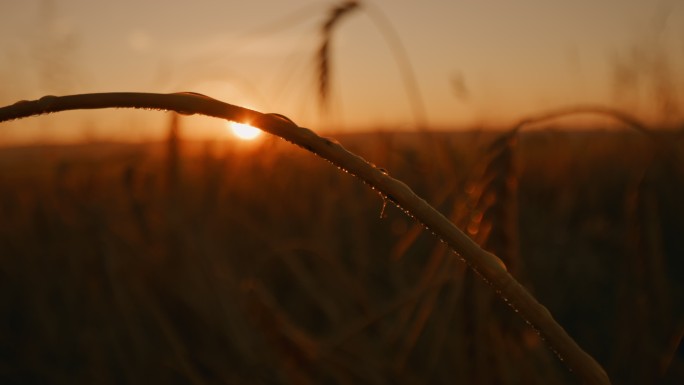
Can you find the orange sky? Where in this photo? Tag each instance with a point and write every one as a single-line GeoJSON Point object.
{"type": "Point", "coordinates": [475, 62]}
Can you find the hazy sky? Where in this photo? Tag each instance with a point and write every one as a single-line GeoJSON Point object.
{"type": "Point", "coordinates": [475, 61]}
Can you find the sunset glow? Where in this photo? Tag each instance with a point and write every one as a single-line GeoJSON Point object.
{"type": "Point", "coordinates": [244, 131]}
{"type": "Point", "coordinates": [440, 64]}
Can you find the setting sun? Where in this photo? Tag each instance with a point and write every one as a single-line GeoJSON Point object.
{"type": "Point", "coordinates": [244, 131]}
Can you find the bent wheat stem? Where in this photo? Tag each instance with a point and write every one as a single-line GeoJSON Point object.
{"type": "Point", "coordinates": [486, 264]}
{"type": "Point", "coordinates": [588, 109]}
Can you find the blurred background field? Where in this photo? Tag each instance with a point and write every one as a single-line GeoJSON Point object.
{"type": "Point", "coordinates": [214, 262]}
{"type": "Point", "coordinates": [141, 247]}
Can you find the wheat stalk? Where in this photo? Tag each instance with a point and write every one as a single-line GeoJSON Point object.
{"type": "Point", "coordinates": [486, 264]}
{"type": "Point", "coordinates": [493, 196]}
{"type": "Point", "coordinates": [586, 109]}
{"type": "Point", "coordinates": [323, 54]}
{"type": "Point", "coordinates": [394, 44]}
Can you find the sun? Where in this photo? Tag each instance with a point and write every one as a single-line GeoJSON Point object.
{"type": "Point", "coordinates": [244, 131]}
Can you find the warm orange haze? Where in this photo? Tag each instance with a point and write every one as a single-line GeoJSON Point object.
{"type": "Point", "coordinates": [474, 63]}
{"type": "Point", "coordinates": [437, 192]}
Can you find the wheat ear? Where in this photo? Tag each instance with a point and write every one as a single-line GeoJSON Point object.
{"type": "Point", "coordinates": [323, 54]}
{"type": "Point", "coordinates": [486, 264]}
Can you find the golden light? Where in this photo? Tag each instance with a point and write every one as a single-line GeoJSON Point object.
{"type": "Point", "coordinates": [244, 131]}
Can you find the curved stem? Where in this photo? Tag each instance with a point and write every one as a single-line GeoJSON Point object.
{"type": "Point", "coordinates": [586, 109]}
{"type": "Point", "coordinates": [401, 57]}
{"type": "Point", "coordinates": [486, 264]}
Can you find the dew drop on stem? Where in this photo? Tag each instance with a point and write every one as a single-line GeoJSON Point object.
{"type": "Point", "coordinates": [383, 214]}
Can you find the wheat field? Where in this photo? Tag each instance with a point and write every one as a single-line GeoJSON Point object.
{"type": "Point", "coordinates": [540, 253]}
{"type": "Point", "coordinates": [188, 262]}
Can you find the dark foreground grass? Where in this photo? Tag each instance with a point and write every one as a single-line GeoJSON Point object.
{"type": "Point", "coordinates": [224, 264]}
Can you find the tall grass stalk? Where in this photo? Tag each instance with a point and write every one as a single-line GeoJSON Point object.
{"type": "Point", "coordinates": [396, 47]}
{"type": "Point", "coordinates": [491, 269]}
{"type": "Point", "coordinates": [588, 109]}
{"type": "Point", "coordinates": [323, 54]}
